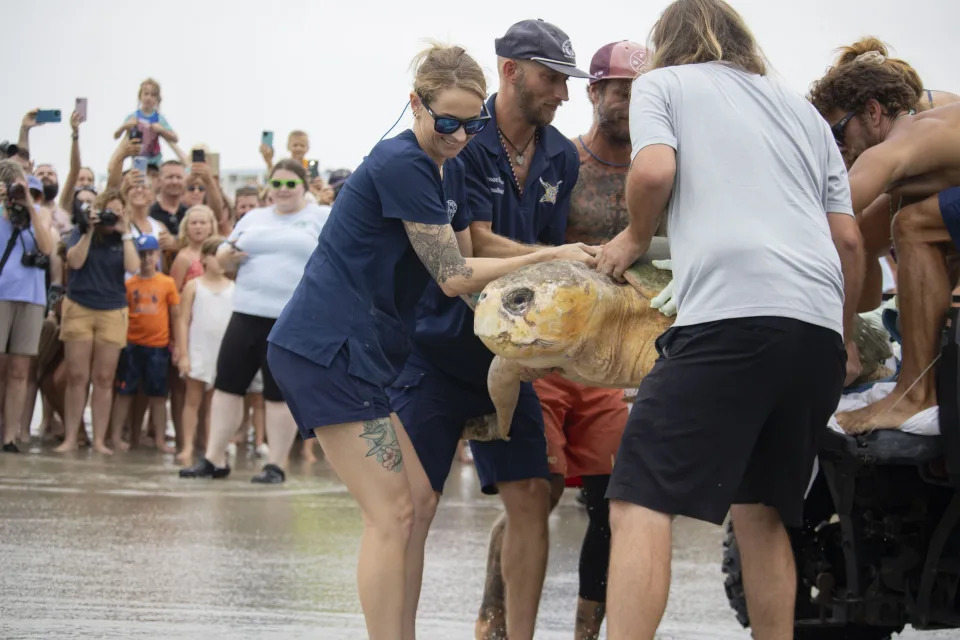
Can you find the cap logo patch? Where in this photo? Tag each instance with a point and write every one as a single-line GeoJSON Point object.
{"type": "Point", "coordinates": [636, 60]}
{"type": "Point", "coordinates": [567, 48]}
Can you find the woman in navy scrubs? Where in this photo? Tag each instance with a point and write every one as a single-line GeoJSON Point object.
{"type": "Point", "coordinates": [344, 336]}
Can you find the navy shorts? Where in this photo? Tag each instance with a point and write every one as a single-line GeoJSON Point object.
{"type": "Point", "coordinates": [949, 200]}
{"type": "Point", "coordinates": [434, 407]}
{"type": "Point", "coordinates": [320, 396]}
{"type": "Point", "coordinates": [143, 368]}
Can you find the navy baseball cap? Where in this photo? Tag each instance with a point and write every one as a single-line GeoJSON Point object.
{"type": "Point", "coordinates": [541, 42]}
{"type": "Point", "coordinates": [147, 243]}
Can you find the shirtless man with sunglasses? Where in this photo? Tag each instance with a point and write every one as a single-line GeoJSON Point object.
{"type": "Point", "coordinates": [916, 158]}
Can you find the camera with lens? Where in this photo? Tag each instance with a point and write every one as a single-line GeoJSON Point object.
{"type": "Point", "coordinates": [108, 218]}
{"type": "Point", "coordinates": [35, 259]}
{"type": "Point", "coordinates": [81, 217]}
{"type": "Point", "coordinates": [17, 212]}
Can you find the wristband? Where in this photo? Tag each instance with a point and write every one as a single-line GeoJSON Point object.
{"type": "Point", "coordinates": [126, 236]}
{"type": "Point", "coordinates": [75, 136]}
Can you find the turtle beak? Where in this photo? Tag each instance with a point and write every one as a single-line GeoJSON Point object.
{"type": "Point", "coordinates": [517, 301]}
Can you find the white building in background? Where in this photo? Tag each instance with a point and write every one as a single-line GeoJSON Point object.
{"type": "Point", "coordinates": [233, 179]}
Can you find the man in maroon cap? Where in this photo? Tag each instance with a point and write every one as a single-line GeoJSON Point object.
{"type": "Point", "coordinates": [583, 425]}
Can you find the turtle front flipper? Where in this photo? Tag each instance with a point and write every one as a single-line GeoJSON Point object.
{"type": "Point", "coordinates": [503, 382]}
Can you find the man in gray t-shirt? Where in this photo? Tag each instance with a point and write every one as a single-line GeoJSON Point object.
{"type": "Point", "coordinates": [765, 249]}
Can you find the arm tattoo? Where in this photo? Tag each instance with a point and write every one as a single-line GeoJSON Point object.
{"type": "Point", "coordinates": [438, 250]}
{"type": "Point", "coordinates": [382, 439]}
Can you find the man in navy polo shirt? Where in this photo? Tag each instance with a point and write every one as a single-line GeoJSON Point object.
{"type": "Point", "coordinates": [520, 172]}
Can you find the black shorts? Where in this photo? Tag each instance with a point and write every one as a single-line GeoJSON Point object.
{"type": "Point", "coordinates": [243, 352]}
{"type": "Point", "coordinates": [732, 413]}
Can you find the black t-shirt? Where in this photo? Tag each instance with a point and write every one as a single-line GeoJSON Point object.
{"type": "Point", "coordinates": [170, 221]}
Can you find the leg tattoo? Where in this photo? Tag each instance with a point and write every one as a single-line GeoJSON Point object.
{"type": "Point", "coordinates": [382, 439]}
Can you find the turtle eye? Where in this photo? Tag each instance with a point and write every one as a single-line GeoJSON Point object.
{"type": "Point", "coordinates": [518, 300]}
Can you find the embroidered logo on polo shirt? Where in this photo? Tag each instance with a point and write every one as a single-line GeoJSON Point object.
{"type": "Point", "coordinates": [550, 191]}
{"type": "Point", "coordinates": [451, 209]}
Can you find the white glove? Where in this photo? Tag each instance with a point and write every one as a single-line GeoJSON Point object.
{"type": "Point", "coordinates": [664, 301]}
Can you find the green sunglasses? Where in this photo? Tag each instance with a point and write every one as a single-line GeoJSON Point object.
{"type": "Point", "coordinates": [290, 184]}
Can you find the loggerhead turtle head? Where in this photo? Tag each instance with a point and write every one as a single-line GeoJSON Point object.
{"type": "Point", "coordinates": [540, 311]}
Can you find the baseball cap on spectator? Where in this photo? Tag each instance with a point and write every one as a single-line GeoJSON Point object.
{"type": "Point", "coordinates": [35, 185]}
{"type": "Point", "coordinates": [147, 243]}
{"type": "Point", "coordinates": [541, 42]}
{"type": "Point", "coordinates": [618, 60]}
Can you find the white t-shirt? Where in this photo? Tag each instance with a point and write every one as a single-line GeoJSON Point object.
{"type": "Point", "coordinates": [278, 247]}
{"type": "Point", "coordinates": [757, 172]}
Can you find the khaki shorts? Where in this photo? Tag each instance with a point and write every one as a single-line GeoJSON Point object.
{"type": "Point", "coordinates": [20, 326]}
{"type": "Point", "coordinates": [81, 323]}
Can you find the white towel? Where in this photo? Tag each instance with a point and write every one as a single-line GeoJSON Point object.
{"type": "Point", "coordinates": [925, 423]}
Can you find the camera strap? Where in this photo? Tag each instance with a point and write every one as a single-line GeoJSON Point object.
{"type": "Point", "coordinates": [6, 252]}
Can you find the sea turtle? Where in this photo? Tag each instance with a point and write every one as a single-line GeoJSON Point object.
{"type": "Point", "coordinates": [565, 317]}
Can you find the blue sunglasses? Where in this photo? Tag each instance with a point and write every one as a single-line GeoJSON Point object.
{"type": "Point", "coordinates": [448, 124]}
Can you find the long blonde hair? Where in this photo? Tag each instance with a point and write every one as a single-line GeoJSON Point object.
{"type": "Point", "coordinates": [182, 233]}
{"type": "Point", "coordinates": [695, 31]}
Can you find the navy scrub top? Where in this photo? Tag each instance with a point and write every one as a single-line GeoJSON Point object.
{"type": "Point", "coordinates": [444, 333]}
{"type": "Point", "coordinates": [362, 283]}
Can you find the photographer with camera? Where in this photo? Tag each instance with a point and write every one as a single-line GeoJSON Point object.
{"type": "Point", "coordinates": [26, 240]}
{"type": "Point", "coordinates": [100, 250]}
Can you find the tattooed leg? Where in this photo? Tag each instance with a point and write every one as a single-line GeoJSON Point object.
{"type": "Point", "coordinates": [382, 440]}
{"type": "Point", "coordinates": [388, 512]}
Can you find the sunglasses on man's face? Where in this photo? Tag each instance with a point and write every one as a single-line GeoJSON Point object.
{"type": "Point", "coordinates": [196, 187]}
{"type": "Point", "coordinates": [448, 124]}
{"type": "Point", "coordinates": [840, 128]}
{"type": "Point", "coordinates": [289, 184]}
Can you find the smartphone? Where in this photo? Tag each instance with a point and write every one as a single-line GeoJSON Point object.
{"type": "Point", "coordinates": [48, 115]}
{"type": "Point", "coordinates": [314, 168]}
{"type": "Point", "coordinates": [199, 155]}
{"type": "Point", "coordinates": [81, 109]}
{"type": "Point", "coordinates": [267, 138]}
{"type": "Point", "coordinates": [140, 164]}
{"type": "Point", "coordinates": [214, 160]}
{"type": "Point", "coordinates": [136, 134]}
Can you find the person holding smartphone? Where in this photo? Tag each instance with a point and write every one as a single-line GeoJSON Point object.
{"type": "Point", "coordinates": [267, 249]}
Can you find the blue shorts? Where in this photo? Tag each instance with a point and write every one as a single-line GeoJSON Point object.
{"type": "Point", "coordinates": [143, 368]}
{"type": "Point", "coordinates": [950, 210]}
{"type": "Point", "coordinates": [320, 396]}
{"type": "Point", "coordinates": [433, 408]}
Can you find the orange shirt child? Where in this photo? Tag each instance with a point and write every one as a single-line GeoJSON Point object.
{"type": "Point", "coordinates": [149, 300]}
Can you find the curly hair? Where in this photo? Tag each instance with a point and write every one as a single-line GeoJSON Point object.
{"type": "Point", "coordinates": [864, 71]}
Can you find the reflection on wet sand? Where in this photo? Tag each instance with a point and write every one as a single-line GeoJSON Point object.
{"type": "Point", "coordinates": [123, 548]}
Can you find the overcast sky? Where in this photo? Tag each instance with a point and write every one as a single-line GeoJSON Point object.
{"type": "Point", "coordinates": [340, 69]}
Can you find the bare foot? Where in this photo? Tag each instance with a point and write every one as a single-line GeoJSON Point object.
{"type": "Point", "coordinates": [185, 457]}
{"type": "Point", "coordinates": [102, 448]}
{"type": "Point", "coordinates": [163, 447]}
{"type": "Point", "coordinates": [491, 626]}
{"type": "Point", "coordinates": [886, 413]}
{"type": "Point", "coordinates": [121, 446]}
{"type": "Point", "coordinates": [66, 447]}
